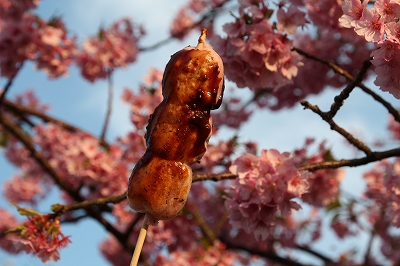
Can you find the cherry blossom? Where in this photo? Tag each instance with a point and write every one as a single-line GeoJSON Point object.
{"type": "Point", "coordinates": [10, 9]}
{"type": "Point", "coordinates": [389, 10]}
{"type": "Point", "coordinates": [19, 189]}
{"type": "Point", "coordinates": [181, 24]}
{"type": "Point", "coordinates": [114, 47]}
{"type": "Point", "coordinates": [323, 184]}
{"type": "Point", "coordinates": [353, 10]}
{"type": "Point", "coordinates": [290, 20]}
{"type": "Point", "coordinates": [266, 187]}
{"type": "Point", "coordinates": [31, 38]}
{"type": "Point", "coordinates": [7, 222]}
{"type": "Point", "coordinates": [255, 55]}
{"type": "Point", "coordinates": [146, 100]}
{"type": "Point", "coordinates": [386, 60]}
{"type": "Point", "coordinates": [80, 161]}
{"type": "Point", "coordinates": [370, 26]}
{"type": "Point", "coordinates": [392, 30]}
{"type": "Point", "coordinates": [41, 235]}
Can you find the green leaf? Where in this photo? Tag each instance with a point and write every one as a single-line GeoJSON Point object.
{"type": "Point", "coordinates": [25, 211]}
{"type": "Point", "coordinates": [56, 207]}
{"type": "Point", "coordinates": [334, 205]}
{"type": "Point", "coordinates": [3, 139]}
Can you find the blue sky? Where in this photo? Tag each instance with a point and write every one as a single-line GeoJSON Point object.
{"type": "Point", "coordinates": [83, 104]}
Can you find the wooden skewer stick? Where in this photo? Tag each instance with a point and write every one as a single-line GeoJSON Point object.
{"type": "Point", "coordinates": [139, 243]}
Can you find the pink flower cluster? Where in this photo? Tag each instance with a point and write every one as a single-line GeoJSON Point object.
{"type": "Point", "coordinates": [379, 25]}
{"type": "Point", "coordinates": [7, 222]}
{"type": "Point", "coordinates": [114, 47]}
{"type": "Point", "coordinates": [146, 100]}
{"type": "Point", "coordinates": [232, 113]}
{"type": "Point", "coordinates": [265, 188]}
{"type": "Point", "coordinates": [255, 55]}
{"type": "Point", "coordinates": [31, 38]}
{"type": "Point", "coordinates": [323, 184]}
{"type": "Point", "coordinates": [325, 39]}
{"type": "Point", "coordinates": [383, 185]}
{"type": "Point", "coordinates": [41, 235]}
{"type": "Point", "coordinates": [11, 9]}
{"type": "Point", "coordinates": [216, 155]}
{"type": "Point", "coordinates": [80, 161]}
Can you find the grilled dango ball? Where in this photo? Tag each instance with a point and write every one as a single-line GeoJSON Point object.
{"type": "Point", "coordinates": [178, 132]}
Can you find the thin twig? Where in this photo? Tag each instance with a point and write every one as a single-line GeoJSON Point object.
{"type": "Point", "coordinates": [373, 157]}
{"type": "Point", "coordinates": [315, 253]}
{"type": "Point", "coordinates": [345, 93]}
{"type": "Point", "coordinates": [350, 78]}
{"type": "Point", "coordinates": [8, 85]}
{"type": "Point", "coordinates": [208, 16]}
{"type": "Point", "coordinates": [6, 88]}
{"type": "Point", "coordinates": [109, 106]}
{"type": "Point", "coordinates": [270, 255]}
{"type": "Point", "coordinates": [387, 105]}
{"type": "Point", "coordinates": [213, 177]}
{"type": "Point", "coordinates": [21, 110]}
{"type": "Point", "coordinates": [327, 116]}
{"type": "Point", "coordinates": [205, 228]}
{"type": "Point", "coordinates": [88, 203]}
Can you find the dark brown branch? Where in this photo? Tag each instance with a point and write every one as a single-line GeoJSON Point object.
{"type": "Point", "coordinates": [328, 63]}
{"type": "Point", "coordinates": [6, 88]}
{"type": "Point", "coordinates": [350, 78]}
{"type": "Point", "coordinates": [8, 85]}
{"type": "Point", "coordinates": [387, 105]}
{"type": "Point", "coordinates": [213, 177]}
{"type": "Point", "coordinates": [315, 253]}
{"type": "Point", "coordinates": [88, 203]}
{"type": "Point", "coordinates": [373, 157]}
{"type": "Point", "coordinates": [205, 228]}
{"type": "Point", "coordinates": [21, 110]}
{"type": "Point", "coordinates": [269, 255]}
{"type": "Point", "coordinates": [109, 106]}
{"type": "Point", "coordinates": [326, 116]}
{"type": "Point", "coordinates": [345, 93]}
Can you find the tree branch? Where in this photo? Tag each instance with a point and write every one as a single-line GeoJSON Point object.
{"type": "Point", "coordinates": [373, 157]}
{"type": "Point", "coordinates": [109, 106]}
{"type": "Point", "coordinates": [345, 93]}
{"type": "Point", "coordinates": [350, 78]}
{"type": "Point", "coordinates": [315, 253]}
{"type": "Point", "coordinates": [205, 228]}
{"type": "Point", "coordinates": [213, 177]}
{"type": "Point", "coordinates": [327, 116]}
{"type": "Point", "coordinates": [88, 203]}
{"type": "Point", "coordinates": [8, 85]}
{"type": "Point", "coordinates": [270, 255]}
{"type": "Point", "coordinates": [20, 110]}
